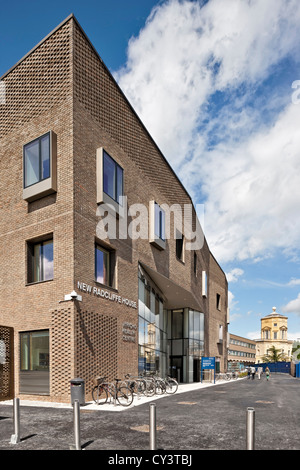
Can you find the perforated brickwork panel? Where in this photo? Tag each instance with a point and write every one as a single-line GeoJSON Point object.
{"type": "Point", "coordinates": [6, 363]}
{"type": "Point", "coordinates": [61, 353]}
{"type": "Point", "coordinates": [42, 80]}
{"type": "Point", "coordinates": [96, 346]}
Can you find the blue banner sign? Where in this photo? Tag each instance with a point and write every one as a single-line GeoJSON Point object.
{"type": "Point", "coordinates": [208, 363]}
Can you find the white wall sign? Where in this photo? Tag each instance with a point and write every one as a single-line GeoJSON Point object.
{"type": "Point", "coordinates": [129, 332]}
{"type": "Point", "coordinates": [105, 294]}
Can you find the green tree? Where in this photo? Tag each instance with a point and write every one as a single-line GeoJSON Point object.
{"type": "Point", "coordinates": [296, 350]}
{"type": "Point", "coordinates": [274, 355]}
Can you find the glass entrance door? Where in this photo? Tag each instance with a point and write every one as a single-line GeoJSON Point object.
{"type": "Point", "coordinates": [177, 367]}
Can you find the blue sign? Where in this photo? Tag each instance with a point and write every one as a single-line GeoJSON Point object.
{"type": "Point", "coordinates": [208, 362]}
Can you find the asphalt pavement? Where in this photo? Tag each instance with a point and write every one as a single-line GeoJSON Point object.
{"type": "Point", "coordinates": [198, 417]}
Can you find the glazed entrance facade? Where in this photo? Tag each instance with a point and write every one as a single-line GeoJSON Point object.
{"type": "Point", "coordinates": [171, 341]}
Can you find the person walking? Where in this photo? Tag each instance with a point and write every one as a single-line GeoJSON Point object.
{"type": "Point", "coordinates": [259, 372]}
{"type": "Point", "coordinates": [267, 372]}
{"type": "Point", "coordinates": [253, 372]}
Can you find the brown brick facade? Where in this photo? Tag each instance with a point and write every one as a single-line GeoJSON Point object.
{"type": "Point", "coordinates": [63, 86]}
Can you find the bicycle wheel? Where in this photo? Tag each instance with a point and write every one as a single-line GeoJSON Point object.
{"type": "Point", "coordinates": [160, 387]}
{"type": "Point", "coordinates": [141, 386]}
{"type": "Point", "coordinates": [99, 395]}
{"type": "Point", "coordinates": [171, 386]}
{"type": "Point", "coordinates": [124, 396]}
{"type": "Point", "coordinates": [150, 388]}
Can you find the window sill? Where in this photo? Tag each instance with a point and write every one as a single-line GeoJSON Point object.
{"type": "Point", "coordinates": [158, 243]}
{"type": "Point", "coordinates": [38, 282]}
{"type": "Point", "coordinates": [39, 190]}
{"type": "Point", "coordinates": [104, 286]}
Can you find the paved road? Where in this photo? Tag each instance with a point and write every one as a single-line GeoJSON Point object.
{"type": "Point", "coordinates": [211, 418]}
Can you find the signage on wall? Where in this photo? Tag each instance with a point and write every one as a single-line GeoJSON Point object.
{"type": "Point", "coordinates": [105, 294]}
{"type": "Point", "coordinates": [129, 332]}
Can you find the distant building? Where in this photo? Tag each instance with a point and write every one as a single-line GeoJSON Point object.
{"type": "Point", "coordinates": [273, 333]}
{"type": "Point", "coordinates": [241, 352]}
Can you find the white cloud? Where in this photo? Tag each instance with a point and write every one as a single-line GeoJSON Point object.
{"type": "Point", "coordinates": [253, 335]}
{"type": "Point", "coordinates": [240, 159]}
{"type": "Point", "coordinates": [231, 302]}
{"type": "Point", "coordinates": [293, 306]}
{"type": "Point", "coordinates": [234, 274]}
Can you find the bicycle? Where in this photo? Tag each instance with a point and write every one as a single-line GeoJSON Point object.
{"type": "Point", "coordinates": [171, 385]}
{"type": "Point", "coordinates": [136, 384]}
{"type": "Point", "coordinates": [104, 390]}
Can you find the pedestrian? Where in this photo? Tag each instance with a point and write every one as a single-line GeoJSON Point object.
{"type": "Point", "coordinates": [253, 372]}
{"type": "Point", "coordinates": [249, 372]}
{"type": "Point", "coordinates": [259, 372]}
{"type": "Point", "coordinates": [267, 372]}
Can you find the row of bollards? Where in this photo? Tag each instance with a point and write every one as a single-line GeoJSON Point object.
{"type": "Point", "coordinates": [15, 438]}
{"type": "Point", "coordinates": [250, 428]}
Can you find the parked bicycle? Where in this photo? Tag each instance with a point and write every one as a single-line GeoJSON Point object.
{"type": "Point", "coordinates": [171, 385]}
{"type": "Point", "coordinates": [102, 391]}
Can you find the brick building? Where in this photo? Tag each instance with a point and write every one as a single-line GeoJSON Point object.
{"type": "Point", "coordinates": [71, 146]}
{"type": "Point", "coordinates": [241, 352]}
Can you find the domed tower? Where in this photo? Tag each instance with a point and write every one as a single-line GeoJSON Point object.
{"type": "Point", "coordinates": [273, 333]}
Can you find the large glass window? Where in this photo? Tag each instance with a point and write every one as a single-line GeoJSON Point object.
{"type": "Point", "coordinates": [112, 178]}
{"type": "Point", "coordinates": [34, 351]}
{"type": "Point", "coordinates": [40, 261]}
{"type": "Point", "coordinates": [37, 160]}
{"type": "Point", "coordinates": [152, 330]}
{"type": "Point", "coordinates": [103, 266]}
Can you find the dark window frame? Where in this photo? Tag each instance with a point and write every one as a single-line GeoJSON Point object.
{"type": "Point", "coordinates": [160, 230]}
{"type": "Point", "coordinates": [31, 244]}
{"type": "Point", "coordinates": [29, 335]}
{"type": "Point", "coordinates": [180, 247]}
{"type": "Point", "coordinates": [39, 140]}
{"type": "Point", "coordinates": [118, 192]}
{"type": "Point", "coordinates": [111, 265]}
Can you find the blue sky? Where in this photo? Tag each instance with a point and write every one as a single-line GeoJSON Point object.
{"type": "Point", "coordinates": [212, 81]}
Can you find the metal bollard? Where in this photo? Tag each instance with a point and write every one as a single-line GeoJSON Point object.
{"type": "Point", "coordinates": [15, 438]}
{"type": "Point", "coordinates": [152, 426]}
{"type": "Point", "coordinates": [77, 424]}
{"type": "Point", "coordinates": [250, 429]}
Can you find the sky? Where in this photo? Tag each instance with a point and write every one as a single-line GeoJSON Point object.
{"type": "Point", "coordinates": [217, 85]}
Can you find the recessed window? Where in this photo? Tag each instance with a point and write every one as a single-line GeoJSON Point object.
{"type": "Point", "coordinates": [104, 266]}
{"type": "Point", "coordinates": [204, 284]}
{"type": "Point", "coordinates": [39, 164]}
{"type": "Point", "coordinates": [179, 246]}
{"type": "Point", "coordinates": [37, 160]}
{"type": "Point", "coordinates": [34, 348]}
{"type": "Point", "coordinates": [195, 264]}
{"type": "Point", "coordinates": [40, 261]}
{"type": "Point", "coordinates": [220, 333]}
{"type": "Point", "coordinates": [159, 222]}
{"type": "Point", "coordinates": [157, 226]}
{"type": "Point", "coordinates": [34, 362]}
{"type": "Point", "coordinates": [218, 302]}
{"type": "Point", "coordinates": [112, 178]}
